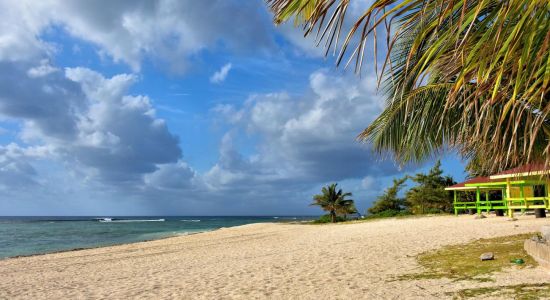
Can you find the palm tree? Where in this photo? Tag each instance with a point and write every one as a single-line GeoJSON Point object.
{"type": "Point", "coordinates": [473, 76]}
{"type": "Point", "coordinates": [334, 202]}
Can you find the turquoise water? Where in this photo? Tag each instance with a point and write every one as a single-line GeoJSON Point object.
{"type": "Point", "coordinates": [36, 235]}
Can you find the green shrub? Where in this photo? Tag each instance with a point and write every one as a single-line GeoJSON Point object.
{"type": "Point", "coordinates": [389, 200]}
{"type": "Point", "coordinates": [430, 196]}
{"type": "Point", "coordinates": [389, 213]}
{"type": "Point", "coordinates": [434, 211]}
{"type": "Point", "coordinates": [326, 219]}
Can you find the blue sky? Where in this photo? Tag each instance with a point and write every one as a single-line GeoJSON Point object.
{"type": "Point", "coordinates": [177, 108]}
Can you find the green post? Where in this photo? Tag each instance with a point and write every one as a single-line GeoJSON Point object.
{"type": "Point", "coordinates": [456, 210]}
{"type": "Point", "coordinates": [487, 204]}
{"type": "Point", "coordinates": [522, 196]}
{"type": "Point", "coordinates": [478, 199]}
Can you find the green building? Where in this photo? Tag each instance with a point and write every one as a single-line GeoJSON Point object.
{"type": "Point", "coordinates": [521, 188]}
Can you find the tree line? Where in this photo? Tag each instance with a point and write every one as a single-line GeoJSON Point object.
{"type": "Point", "coordinates": [427, 196]}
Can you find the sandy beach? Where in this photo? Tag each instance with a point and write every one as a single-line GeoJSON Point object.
{"type": "Point", "coordinates": [276, 261]}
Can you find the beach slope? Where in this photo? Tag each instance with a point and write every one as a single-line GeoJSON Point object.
{"type": "Point", "coordinates": [279, 261]}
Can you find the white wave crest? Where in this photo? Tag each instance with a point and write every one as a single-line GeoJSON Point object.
{"type": "Point", "coordinates": [110, 220]}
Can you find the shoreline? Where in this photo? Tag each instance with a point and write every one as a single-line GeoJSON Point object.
{"type": "Point", "coordinates": [182, 234]}
{"type": "Point", "coordinates": [268, 260]}
{"type": "Point", "coordinates": [109, 245]}
{"type": "Point", "coordinates": [293, 222]}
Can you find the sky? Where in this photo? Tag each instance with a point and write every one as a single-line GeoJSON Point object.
{"type": "Point", "coordinates": [185, 107]}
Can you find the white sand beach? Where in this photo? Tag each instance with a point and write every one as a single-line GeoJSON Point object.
{"type": "Point", "coordinates": [275, 261]}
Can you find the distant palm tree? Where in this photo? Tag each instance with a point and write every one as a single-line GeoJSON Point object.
{"type": "Point", "coordinates": [470, 75]}
{"type": "Point", "coordinates": [334, 201]}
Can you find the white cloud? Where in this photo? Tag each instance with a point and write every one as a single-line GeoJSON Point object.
{"type": "Point", "coordinates": [95, 138]}
{"type": "Point", "coordinates": [220, 75]}
{"type": "Point", "coordinates": [304, 45]}
{"type": "Point", "coordinates": [166, 31]}
{"type": "Point", "coordinates": [304, 140]}
{"type": "Point", "coordinates": [26, 101]}
{"type": "Point", "coordinates": [89, 122]}
{"type": "Point", "coordinates": [174, 176]}
{"type": "Point", "coordinates": [16, 170]}
{"type": "Point", "coordinates": [228, 112]}
{"type": "Point", "coordinates": [20, 25]}
{"type": "Point", "coordinates": [100, 137]}
{"type": "Point", "coordinates": [126, 138]}
{"type": "Point", "coordinates": [41, 70]}
{"type": "Point", "coordinates": [369, 182]}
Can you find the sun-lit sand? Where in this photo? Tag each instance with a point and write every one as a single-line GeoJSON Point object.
{"type": "Point", "coordinates": [278, 261]}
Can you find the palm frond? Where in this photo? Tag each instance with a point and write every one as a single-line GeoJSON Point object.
{"type": "Point", "coordinates": [470, 75]}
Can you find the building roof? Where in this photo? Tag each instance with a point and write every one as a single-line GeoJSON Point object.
{"type": "Point", "coordinates": [497, 179]}
{"type": "Point", "coordinates": [476, 180]}
{"type": "Point", "coordinates": [525, 170]}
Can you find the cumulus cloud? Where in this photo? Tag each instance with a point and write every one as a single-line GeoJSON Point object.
{"type": "Point", "coordinates": [300, 143]}
{"type": "Point", "coordinates": [47, 104]}
{"type": "Point", "coordinates": [119, 136]}
{"type": "Point", "coordinates": [174, 176]}
{"type": "Point", "coordinates": [41, 70]}
{"type": "Point", "coordinates": [19, 31]}
{"type": "Point", "coordinates": [89, 121]}
{"type": "Point", "coordinates": [305, 140]}
{"type": "Point", "coordinates": [220, 75]}
{"type": "Point", "coordinates": [166, 31]}
{"type": "Point", "coordinates": [99, 137]}
{"type": "Point", "coordinates": [102, 135]}
{"type": "Point", "coordinates": [369, 182]}
{"type": "Point", "coordinates": [129, 31]}
{"type": "Point", "coordinates": [16, 171]}
{"type": "Point", "coordinates": [303, 45]}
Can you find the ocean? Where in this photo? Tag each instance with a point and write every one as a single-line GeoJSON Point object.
{"type": "Point", "coordinates": [21, 236]}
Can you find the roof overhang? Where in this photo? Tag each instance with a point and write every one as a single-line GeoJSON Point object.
{"type": "Point", "coordinates": [486, 185]}
{"type": "Point", "coordinates": [494, 183]}
{"type": "Point", "coordinates": [462, 188]}
{"type": "Point", "coordinates": [517, 175]}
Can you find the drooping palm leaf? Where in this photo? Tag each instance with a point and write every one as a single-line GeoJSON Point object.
{"type": "Point", "coordinates": [471, 75]}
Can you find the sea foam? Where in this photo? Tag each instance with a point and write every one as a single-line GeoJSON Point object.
{"type": "Point", "coordinates": [110, 220]}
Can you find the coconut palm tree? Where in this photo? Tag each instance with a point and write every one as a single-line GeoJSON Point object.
{"type": "Point", "coordinates": [473, 76]}
{"type": "Point", "coordinates": [347, 209]}
{"type": "Point", "coordinates": [334, 201]}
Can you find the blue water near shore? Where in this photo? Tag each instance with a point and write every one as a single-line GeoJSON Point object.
{"type": "Point", "coordinates": [37, 235]}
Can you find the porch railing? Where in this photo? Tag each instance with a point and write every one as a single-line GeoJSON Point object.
{"type": "Point", "coordinates": [528, 202]}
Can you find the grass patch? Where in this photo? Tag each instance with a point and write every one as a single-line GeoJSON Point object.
{"type": "Point", "coordinates": [461, 262]}
{"type": "Point", "coordinates": [519, 291]}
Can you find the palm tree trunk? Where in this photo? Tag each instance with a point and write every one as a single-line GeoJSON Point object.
{"type": "Point", "coordinates": [333, 216]}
